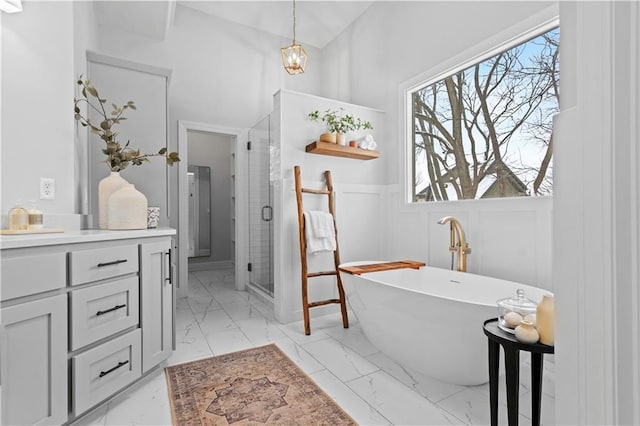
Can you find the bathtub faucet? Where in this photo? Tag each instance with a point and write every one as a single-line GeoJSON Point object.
{"type": "Point", "coordinates": [458, 243]}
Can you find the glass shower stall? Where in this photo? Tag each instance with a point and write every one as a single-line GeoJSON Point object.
{"type": "Point", "coordinates": [260, 159]}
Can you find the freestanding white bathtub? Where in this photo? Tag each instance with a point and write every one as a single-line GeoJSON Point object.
{"type": "Point", "coordinates": [430, 319]}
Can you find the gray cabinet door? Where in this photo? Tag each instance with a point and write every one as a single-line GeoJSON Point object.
{"type": "Point", "coordinates": [156, 306]}
{"type": "Point", "coordinates": [33, 368]}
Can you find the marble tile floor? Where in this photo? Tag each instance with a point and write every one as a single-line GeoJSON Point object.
{"type": "Point", "coordinates": [216, 319]}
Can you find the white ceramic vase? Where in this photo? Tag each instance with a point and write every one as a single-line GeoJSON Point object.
{"type": "Point", "coordinates": [106, 187]}
{"type": "Point", "coordinates": [341, 139]}
{"type": "Point", "coordinates": [127, 209]}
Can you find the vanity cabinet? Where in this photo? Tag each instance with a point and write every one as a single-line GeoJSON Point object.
{"type": "Point", "coordinates": [102, 310]}
{"type": "Point", "coordinates": [33, 362]}
{"type": "Point", "coordinates": [82, 316]}
{"type": "Point", "coordinates": [156, 313]}
{"type": "Point", "coordinates": [102, 371]}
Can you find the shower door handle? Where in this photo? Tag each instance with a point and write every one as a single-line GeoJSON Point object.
{"type": "Point", "coordinates": [269, 211]}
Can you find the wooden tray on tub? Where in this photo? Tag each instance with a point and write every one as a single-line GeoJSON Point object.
{"type": "Point", "coordinates": [385, 266]}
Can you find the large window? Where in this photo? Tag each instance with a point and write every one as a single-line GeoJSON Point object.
{"type": "Point", "coordinates": [486, 131]}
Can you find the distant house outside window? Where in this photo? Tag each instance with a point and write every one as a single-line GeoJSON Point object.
{"type": "Point", "coordinates": [486, 131]}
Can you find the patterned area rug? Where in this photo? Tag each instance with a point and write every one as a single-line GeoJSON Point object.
{"type": "Point", "coordinates": [251, 387]}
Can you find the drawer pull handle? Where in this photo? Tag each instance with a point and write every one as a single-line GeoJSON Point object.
{"type": "Point", "coordinates": [120, 364]}
{"type": "Point", "coordinates": [168, 279]}
{"type": "Point", "coordinates": [115, 262]}
{"type": "Point", "coordinates": [115, 308]}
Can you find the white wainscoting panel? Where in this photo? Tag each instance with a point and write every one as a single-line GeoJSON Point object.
{"type": "Point", "coordinates": [509, 238]}
{"type": "Point", "coordinates": [360, 225]}
{"type": "Point", "coordinates": [506, 245]}
{"type": "Point", "coordinates": [406, 235]}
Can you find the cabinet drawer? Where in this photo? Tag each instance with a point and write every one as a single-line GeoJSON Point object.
{"type": "Point", "coordinates": [92, 265]}
{"type": "Point", "coordinates": [103, 310]}
{"type": "Point", "coordinates": [25, 275]}
{"type": "Point", "coordinates": [102, 371]}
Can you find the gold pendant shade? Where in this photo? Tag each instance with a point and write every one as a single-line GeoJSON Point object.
{"type": "Point", "coordinates": [294, 57]}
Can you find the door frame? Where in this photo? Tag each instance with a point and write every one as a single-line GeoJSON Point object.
{"type": "Point", "coordinates": [240, 140]}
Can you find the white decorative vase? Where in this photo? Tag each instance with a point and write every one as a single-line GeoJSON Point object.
{"type": "Point", "coordinates": [127, 209]}
{"type": "Point", "coordinates": [106, 187]}
{"type": "Point", "coordinates": [341, 139]}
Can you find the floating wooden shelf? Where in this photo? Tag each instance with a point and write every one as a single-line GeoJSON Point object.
{"type": "Point", "coordinates": [327, 148]}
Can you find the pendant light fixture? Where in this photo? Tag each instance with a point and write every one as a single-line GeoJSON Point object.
{"type": "Point", "coordinates": [294, 57]}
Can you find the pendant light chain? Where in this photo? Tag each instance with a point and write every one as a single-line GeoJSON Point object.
{"type": "Point", "coordinates": [294, 21]}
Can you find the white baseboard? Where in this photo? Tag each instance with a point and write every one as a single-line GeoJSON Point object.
{"type": "Point", "coordinates": [206, 266]}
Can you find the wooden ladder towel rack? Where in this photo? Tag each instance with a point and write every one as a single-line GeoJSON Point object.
{"type": "Point", "coordinates": [303, 252]}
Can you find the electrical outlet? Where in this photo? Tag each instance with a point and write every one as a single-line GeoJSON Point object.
{"type": "Point", "coordinates": [47, 189]}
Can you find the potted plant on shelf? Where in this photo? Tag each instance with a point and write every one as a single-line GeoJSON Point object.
{"type": "Point", "coordinates": [132, 202]}
{"type": "Point", "coordinates": [338, 123]}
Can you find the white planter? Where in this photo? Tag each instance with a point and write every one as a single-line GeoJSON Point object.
{"type": "Point", "coordinates": [127, 209]}
{"type": "Point", "coordinates": [106, 187]}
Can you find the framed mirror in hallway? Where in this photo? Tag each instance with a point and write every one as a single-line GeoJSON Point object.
{"type": "Point", "coordinates": [199, 211]}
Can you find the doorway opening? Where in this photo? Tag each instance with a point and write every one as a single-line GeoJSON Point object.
{"type": "Point", "coordinates": [211, 194]}
{"type": "Point", "coordinates": [209, 236]}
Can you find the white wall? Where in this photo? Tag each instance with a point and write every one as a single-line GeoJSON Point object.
{"type": "Point", "coordinates": [596, 216]}
{"type": "Point", "coordinates": [223, 74]}
{"type": "Point", "coordinates": [85, 37]}
{"type": "Point", "coordinates": [214, 151]}
{"type": "Point", "coordinates": [37, 100]}
{"type": "Point", "coordinates": [510, 239]}
{"type": "Point", "coordinates": [393, 42]}
{"type": "Point", "coordinates": [359, 187]}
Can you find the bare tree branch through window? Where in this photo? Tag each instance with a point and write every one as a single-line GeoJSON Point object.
{"type": "Point", "coordinates": [487, 131]}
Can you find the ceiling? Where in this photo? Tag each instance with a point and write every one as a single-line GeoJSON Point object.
{"type": "Point", "coordinates": [148, 18]}
{"type": "Point", "coordinates": [317, 21]}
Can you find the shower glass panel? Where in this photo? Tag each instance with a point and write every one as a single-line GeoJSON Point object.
{"type": "Point", "coordinates": [260, 207]}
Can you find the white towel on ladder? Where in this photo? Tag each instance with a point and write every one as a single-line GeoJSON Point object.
{"type": "Point", "coordinates": [320, 231]}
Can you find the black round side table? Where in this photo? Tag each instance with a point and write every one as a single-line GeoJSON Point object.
{"type": "Point", "coordinates": [512, 348]}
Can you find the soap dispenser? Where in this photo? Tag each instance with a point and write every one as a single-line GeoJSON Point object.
{"type": "Point", "coordinates": [35, 216]}
{"type": "Point", "coordinates": [18, 217]}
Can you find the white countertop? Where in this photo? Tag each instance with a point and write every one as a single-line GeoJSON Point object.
{"type": "Point", "coordinates": [83, 236]}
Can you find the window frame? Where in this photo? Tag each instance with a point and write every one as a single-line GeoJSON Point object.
{"type": "Point", "coordinates": [502, 41]}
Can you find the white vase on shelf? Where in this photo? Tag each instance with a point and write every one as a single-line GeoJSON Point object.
{"type": "Point", "coordinates": [127, 209]}
{"type": "Point", "coordinates": [106, 187]}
